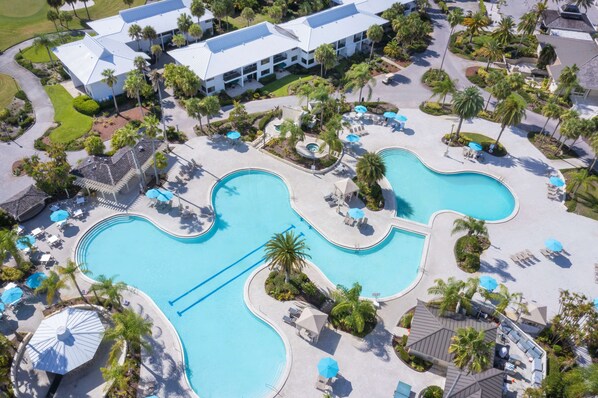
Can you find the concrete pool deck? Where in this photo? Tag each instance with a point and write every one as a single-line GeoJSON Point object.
{"type": "Point", "coordinates": [370, 365]}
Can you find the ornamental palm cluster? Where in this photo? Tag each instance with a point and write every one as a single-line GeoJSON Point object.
{"type": "Point", "coordinates": [286, 252]}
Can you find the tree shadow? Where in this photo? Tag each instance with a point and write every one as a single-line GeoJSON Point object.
{"type": "Point", "coordinates": [404, 209]}
{"type": "Point", "coordinates": [507, 161]}
{"type": "Point", "coordinates": [535, 166]}
{"type": "Point", "coordinates": [499, 268]}
{"type": "Point", "coordinates": [378, 342]}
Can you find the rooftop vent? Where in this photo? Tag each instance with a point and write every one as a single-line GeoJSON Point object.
{"type": "Point", "coordinates": [570, 11]}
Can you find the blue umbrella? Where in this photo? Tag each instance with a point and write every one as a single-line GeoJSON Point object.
{"type": "Point", "coordinates": [356, 213]}
{"type": "Point", "coordinates": [59, 215]}
{"type": "Point", "coordinates": [557, 182]}
{"type": "Point", "coordinates": [233, 135]}
{"type": "Point", "coordinates": [475, 146]}
{"type": "Point", "coordinates": [25, 241]}
{"type": "Point", "coordinates": [327, 367]}
{"type": "Point", "coordinates": [389, 115]}
{"type": "Point", "coordinates": [11, 296]}
{"type": "Point", "coordinates": [361, 109]}
{"type": "Point", "coordinates": [152, 193]}
{"type": "Point", "coordinates": [401, 118]}
{"type": "Point", "coordinates": [488, 283]}
{"type": "Point", "coordinates": [35, 280]}
{"type": "Point", "coordinates": [554, 245]}
{"type": "Point", "coordinates": [165, 195]}
{"type": "Point", "coordinates": [596, 304]}
{"type": "Point", "coordinates": [353, 138]}
{"type": "Point", "coordinates": [1, 307]}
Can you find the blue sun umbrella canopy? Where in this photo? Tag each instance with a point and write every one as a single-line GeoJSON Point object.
{"type": "Point", "coordinates": [553, 245]}
{"type": "Point", "coordinates": [35, 280]}
{"type": "Point", "coordinates": [2, 307]}
{"type": "Point", "coordinates": [596, 304]}
{"type": "Point", "coordinates": [556, 181]}
{"type": "Point", "coordinates": [59, 215]}
{"type": "Point", "coordinates": [162, 195]}
{"type": "Point", "coordinates": [327, 367]}
{"type": "Point", "coordinates": [233, 135]}
{"type": "Point", "coordinates": [356, 213]}
{"type": "Point", "coordinates": [401, 118]}
{"type": "Point", "coordinates": [389, 115]}
{"type": "Point", "coordinates": [353, 138]}
{"type": "Point", "coordinates": [475, 146]}
{"type": "Point", "coordinates": [488, 283]}
{"type": "Point", "coordinates": [12, 296]}
{"type": "Point", "coordinates": [361, 109]}
{"type": "Point", "coordinates": [25, 241]}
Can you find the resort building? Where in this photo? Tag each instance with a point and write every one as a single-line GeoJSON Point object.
{"type": "Point", "coordinates": [25, 204]}
{"type": "Point", "coordinates": [378, 6]}
{"type": "Point", "coordinates": [249, 54]}
{"type": "Point", "coordinates": [567, 21]}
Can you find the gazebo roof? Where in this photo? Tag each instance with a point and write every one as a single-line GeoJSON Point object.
{"type": "Point", "coordinates": [24, 201]}
{"type": "Point", "coordinates": [312, 320]}
{"type": "Point", "coordinates": [535, 315]}
{"type": "Point", "coordinates": [346, 186]}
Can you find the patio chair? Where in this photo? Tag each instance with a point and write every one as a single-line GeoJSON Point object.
{"type": "Point", "coordinates": [323, 387]}
{"type": "Point", "coordinates": [529, 254]}
{"type": "Point", "coordinates": [359, 222]}
{"type": "Point", "coordinates": [294, 312]}
{"type": "Point", "coordinates": [515, 259]}
{"type": "Point", "coordinates": [329, 197]}
{"type": "Point", "coordinates": [546, 253]}
{"type": "Point", "coordinates": [346, 220]}
{"type": "Point", "coordinates": [288, 320]}
{"type": "Point", "coordinates": [364, 221]}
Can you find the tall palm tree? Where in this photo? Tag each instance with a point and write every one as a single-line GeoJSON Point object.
{"type": "Point", "coordinates": [325, 55]}
{"type": "Point", "coordinates": [86, 9]}
{"type": "Point", "coordinates": [286, 252]}
{"type": "Point", "coordinates": [500, 90]}
{"type": "Point", "coordinates": [179, 40]}
{"type": "Point", "coordinates": [454, 18]}
{"type": "Point", "coordinates": [504, 299]}
{"type": "Point", "coordinates": [547, 56]}
{"type": "Point", "coordinates": [51, 285]}
{"type": "Point", "coordinates": [330, 139]}
{"type": "Point", "coordinates": [471, 350]}
{"type": "Point", "coordinates": [375, 33]}
{"type": "Point", "coordinates": [131, 329]}
{"type": "Point", "coordinates": [471, 287]}
{"type": "Point", "coordinates": [109, 79]}
{"type": "Point", "coordinates": [551, 110]}
{"type": "Point", "coordinates": [149, 33]}
{"type": "Point", "coordinates": [117, 376]}
{"type": "Point", "coordinates": [156, 51]}
{"type": "Point", "coordinates": [370, 168]}
{"type": "Point", "coordinates": [527, 23]}
{"type": "Point", "coordinates": [581, 179]}
{"type": "Point", "coordinates": [197, 9]}
{"type": "Point", "coordinates": [467, 104]}
{"type": "Point", "coordinates": [111, 290]}
{"type": "Point", "coordinates": [510, 112]}
{"type": "Point", "coordinates": [449, 294]}
{"type": "Point", "coordinates": [492, 50]}
{"type": "Point", "coordinates": [473, 226]}
{"type": "Point", "coordinates": [44, 41]}
{"type": "Point", "coordinates": [504, 31]}
{"type": "Point", "coordinates": [156, 79]}
{"type": "Point", "coordinates": [321, 95]}
{"type": "Point", "coordinates": [195, 31]}
{"type": "Point", "coordinates": [8, 246]}
{"type": "Point", "coordinates": [359, 76]}
{"type": "Point", "coordinates": [55, 3]}
{"type": "Point", "coordinates": [568, 80]}
{"type": "Point", "coordinates": [211, 105]}
{"type": "Point", "coordinates": [134, 85]}
{"type": "Point", "coordinates": [565, 115]}
{"type": "Point", "coordinates": [150, 125]}
{"type": "Point", "coordinates": [184, 22]}
{"type": "Point", "coordinates": [574, 128]}
{"type": "Point", "coordinates": [304, 92]}
{"type": "Point", "coordinates": [475, 24]}
{"type": "Point", "coordinates": [70, 271]}
{"type": "Point", "coordinates": [52, 16]}
{"type": "Point", "coordinates": [135, 32]}
{"type": "Point", "coordinates": [593, 141]}
{"type": "Point", "coordinates": [140, 63]}
{"type": "Point", "coordinates": [443, 88]}
{"type": "Point", "coordinates": [585, 4]}
{"type": "Point", "coordinates": [295, 133]}
{"type": "Point", "coordinates": [72, 4]}
{"type": "Point", "coordinates": [195, 109]}
{"type": "Point", "coordinates": [353, 312]}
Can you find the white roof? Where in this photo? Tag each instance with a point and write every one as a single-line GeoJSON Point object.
{"type": "Point", "coordinates": [161, 15]}
{"type": "Point", "coordinates": [571, 34]}
{"type": "Point", "coordinates": [234, 50]}
{"type": "Point", "coordinates": [87, 58]}
{"type": "Point", "coordinates": [65, 341]}
{"type": "Point", "coordinates": [331, 25]}
{"type": "Point", "coordinates": [373, 6]}
{"type": "Point", "coordinates": [346, 186]}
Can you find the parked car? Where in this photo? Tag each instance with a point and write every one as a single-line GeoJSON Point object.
{"type": "Point", "coordinates": [388, 78]}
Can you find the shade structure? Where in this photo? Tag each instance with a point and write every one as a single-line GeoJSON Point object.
{"type": "Point", "coordinates": [312, 321]}
{"type": "Point", "coordinates": [233, 135]}
{"type": "Point", "coordinates": [356, 213]}
{"type": "Point", "coordinates": [536, 315]}
{"type": "Point", "coordinates": [475, 146]}
{"type": "Point", "coordinates": [401, 118]}
{"type": "Point", "coordinates": [389, 115]}
{"type": "Point", "coordinates": [361, 109]}
{"type": "Point", "coordinates": [353, 138]}
{"type": "Point", "coordinates": [488, 283]}
{"type": "Point", "coordinates": [346, 187]}
{"type": "Point", "coordinates": [327, 367]}
{"type": "Point", "coordinates": [12, 296]}
{"type": "Point", "coordinates": [59, 215]}
{"type": "Point", "coordinates": [65, 341]}
{"type": "Point", "coordinates": [35, 280]}
{"type": "Point", "coordinates": [556, 181]}
{"type": "Point", "coordinates": [25, 241]}
{"type": "Point", "coordinates": [403, 390]}
{"type": "Point", "coordinates": [553, 245]}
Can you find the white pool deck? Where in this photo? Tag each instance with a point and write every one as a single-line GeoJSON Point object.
{"type": "Point", "coordinates": [369, 366]}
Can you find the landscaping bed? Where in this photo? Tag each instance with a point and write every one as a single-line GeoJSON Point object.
{"type": "Point", "coordinates": [433, 76]}
{"type": "Point", "coordinates": [410, 360]}
{"type": "Point", "coordinates": [300, 287]}
{"type": "Point", "coordinates": [585, 201]}
{"type": "Point", "coordinates": [549, 146]}
{"type": "Point", "coordinates": [372, 197]}
{"type": "Point", "coordinates": [468, 250]}
{"type": "Point", "coordinates": [17, 115]}
{"type": "Point", "coordinates": [436, 108]}
{"type": "Point", "coordinates": [461, 46]}
{"type": "Point", "coordinates": [256, 124]}
{"type": "Point", "coordinates": [465, 138]}
{"type": "Point", "coordinates": [477, 75]}
{"type": "Point", "coordinates": [105, 126]}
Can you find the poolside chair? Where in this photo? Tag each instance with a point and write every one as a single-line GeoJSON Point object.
{"type": "Point", "coordinates": [288, 320]}
{"type": "Point", "coordinates": [515, 259]}
{"type": "Point", "coordinates": [323, 387]}
{"type": "Point", "coordinates": [359, 222]}
{"type": "Point", "coordinates": [529, 254]}
{"type": "Point", "coordinates": [546, 253]}
{"type": "Point", "coordinates": [364, 221]}
{"type": "Point", "coordinates": [346, 220]}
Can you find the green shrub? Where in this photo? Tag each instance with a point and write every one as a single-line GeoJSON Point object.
{"type": "Point", "coordinates": [94, 145]}
{"type": "Point", "coordinates": [405, 321]}
{"type": "Point", "coordinates": [268, 79]}
{"type": "Point", "coordinates": [6, 220]}
{"type": "Point", "coordinates": [434, 108]}
{"type": "Point", "coordinates": [432, 76]}
{"type": "Point", "coordinates": [28, 121]}
{"type": "Point", "coordinates": [467, 252]}
{"type": "Point", "coordinates": [21, 95]}
{"type": "Point", "coordinates": [85, 105]}
{"type": "Point", "coordinates": [433, 392]}
{"type": "Point", "coordinates": [10, 274]}
{"type": "Point", "coordinates": [4, 114]}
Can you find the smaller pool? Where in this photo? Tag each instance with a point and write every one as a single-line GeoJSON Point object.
{"type": "Point", "coordinates": [313, 147]}
{"type": "Point", "coordinates": [277, 127]}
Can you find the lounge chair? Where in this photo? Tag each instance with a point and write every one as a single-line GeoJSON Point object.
{"type": "Point", "coordinates": [515, 259]}
{"type": "Point", "coordinates": [364, 221]}
{"type": "Point", "coordinates": [288, 320]}
{"type": "Point", "coordinates": [546, 253]}
{"type": "Point", "coordinates": [529, 254]}
{"type": "Point", "coordinates": [329, 197]}
{"type": "Point", "coordinates": [294, 312]}
{"type": "Point", "coordinates": [323, 387]}
{"type": "Point", "coordinates": [346, 220]}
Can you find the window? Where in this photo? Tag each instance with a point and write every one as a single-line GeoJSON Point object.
{"type": "Point", "coordinates": [303, 61]}
{"type": "Point", "coordinates": [265, 72]}
{"type": "Point", "coordinates": [265, 61]}
{"type": "Point", "coordinates": [293, 58]}
{"type": "Point", "coordinates": [211, 89]}
{"type": "Point", "coordinates": [311, 52]}
{"type": "Point", "coordinates": [209, 80]}
{"type": "Point", "coordinates": [341, 43]}
{"type": "Point", "coordinates": [311, 61]}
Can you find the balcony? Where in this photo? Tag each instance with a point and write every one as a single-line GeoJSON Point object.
{"type": "Point", "coordinates": [228, 76]}
{"type": "Point", "coordinates": [249, 69]}
{"type": "Point", "coordinates": [279, 58]}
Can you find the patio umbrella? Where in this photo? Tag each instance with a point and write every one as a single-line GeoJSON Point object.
{"type": "Point", "coordinates": [233, 135]}
{"type": "Point", "coordinates": [1, 308]}
{"type": "Point", "coordinates": [401, 118]}
{"type": "Point", "coordinates": [65, 341]}
{"type": "Point", "coordinates": [352, 138]}
{"type": "Point", "coordinates": [475, 146]}
{"type": "Point", "coordinates": [553, 245]}
{"type": "Point", "coordinates": [165, 195]}
{"type": "Point", "coordinates": [596, 304]}
{"type": "Point", "coordinates": [59, 215]}
{"type": "Point", "coordinates": [12, 295]}
{"type": "Point", "coordinates": [327, 367]}
{"type": "Point", "coordinates": [25, 241]}
{"type": "Point", "coordinates": [356, 213]}
{"type": "Point", "coordinates": [556, 181]}
{"type": "Point", "coordinates": [361, 109]}
{"type": "Point", "coordinates": [35, 280]}
{"type": "Point", "coordinates": [488, 283]}
{"type": "Point", "coordinates": [389, 115]}
{"type": "Point", "coordinates": [152, 193]}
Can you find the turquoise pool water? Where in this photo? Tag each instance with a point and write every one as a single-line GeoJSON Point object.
{"type": "Point", "coordinates": [421, 192]}
{"type": "Point", "coordinates": [229, 352]}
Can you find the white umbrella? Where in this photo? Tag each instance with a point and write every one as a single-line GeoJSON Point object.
{"type": "Point", "coordinates": [312, 320]}
{"type": "Point", "coordinates": [65, 341]}
{"type": "Point", "coordinates": [346, 187]}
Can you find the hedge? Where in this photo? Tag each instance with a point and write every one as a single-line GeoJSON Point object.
{"type": "Point", "coordinates": [85, 105]}
{"type": "Point", "coordinates": [268, 79]}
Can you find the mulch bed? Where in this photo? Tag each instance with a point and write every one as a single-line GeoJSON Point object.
{"type": "Point", "coordinates": [106, 126]}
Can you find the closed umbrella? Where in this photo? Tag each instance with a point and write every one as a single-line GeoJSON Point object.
{"type": "Point", "coordinates": [12, 296]}
{"type": "Point", "coordinates": [35, 280]}
{"type": "Point", "coordinates": [361, 109]}
{"type": "Point", "coordinates": [59, 215]}
{"type": "Point", "coordinates": [488, 283]}
{"type": "Point", "coordinates": [554, 245]}
{"type": "Point", "coordinates": [327, 367]}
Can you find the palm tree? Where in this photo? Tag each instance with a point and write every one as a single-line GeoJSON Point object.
{"type": "Point", "coordinates": [197, 9]}
{"type": "Point", "coordinates": [8, 246]}
{"type": "Point", "coordinates": [211, 105]}
{"type": "Point", "coordinates": [51, 285]}
{"type": "Point", "coordinates": [140, 63]}
{"type": "Point", "coordinates": [454, 18]}
{"type": "Point", "coordinates": [248, 15]}
{"type": "Point", "coordinates": [471, 287]}
{"type": "Point", "coordinates": [70, 270]}
{"type": "Point", "coordinates": [443, 88]}
{"type": "Point", "coordinates": [565, 115]}
{"type": "Point", "coordinates": [568, 80]}
{"type": "Point", "coordinates": [375, 33]}
{"type": "Point", "coordinates": [156, 79]}
{"type": "Point", "coordinates": [286, 252]}
{"type": "Point", "coordinates": [150, 125]}
{"type": "Point", "coordinates": [574, 128]}
{"type": "Point", "coordinates": [581, 179]}
{"type": "Point", "coordinates": [117, 376]}
{"type": "Point", "coordinates": [195, 31]}
{"type": "Point", "coordinates": [55, 3]}
{"type": "Point", "coordinates": [321, 95]}
{"type": "Point", "coordinates": [473, 226]}
{"type": "Point", "coordinates": [510, 112]}
{"type": "Point", "coordinates": [295, 133]}
{"type": "Point", "coordinates": [352, 312]}
{"type": "Point", "coordinates": [547, 56]}
{"type": "Point", "coordinates": [135, 32]}
{"type": "Point", "coordinates": [551, 110]}
{"type": "Point", "coordinates": [195, 109]}
{"type": "Point", "coordinates": [149, 33]}
{"type": "Point", "coordinates": [325, 56]}
{"type": "Point", "coordinates": [359, 76]}
{"type": "Point", "coordinates": [370, 168]}
{"type": "Point", "coordinates": [156, 51]}
{"type": "Point", "coordinates": [304, 92]}
{"type": "Point", "coordinates": [65, 17]}
{"type": "Point", "coordinates": [584, 3]}
{"type": "Point", "coordinates": [110, 289]}
{"type": "Point", "coordinates": [491, 50]}
{"type": "Point", "coordinates": [503, 32]}
{"type": "Point", "coordinates": [330, 138]}
{"type": "Point", "coordinates": [593, 141]}
{"type": "Point", "coordinates": [475, 24]}
{"type": "Point", "coordinates": [467, 104]}
{"type": "Point", "coordinates": [44, 41]}
{"type": "Point", "coordinates": [179, 40]}
{"type": "Point", "coordinates": [504, 298]}
{"type": "Point", "coordinates": [110, 80]}
{"type": "Point", "coordinates": [450, 294]}
{"type": "Point", "coordinates": [527, 23]}
{"type": "Point", "coordinates": [86, 9]}
{"type": "Point", "coordinates": [131, 329]}
{"type": "Point", "coordinates": [134, 85]}
{"type": "Point", "coordinates": [72, 4]}
{"type": "Point", "coordinates": [500, 90]}
{"type": "Point", "coordinates": [184, 22]}
{"type": "Point", "coordinates": [52, 16]}
{"type": "Point", "coordinates": [471, 350]}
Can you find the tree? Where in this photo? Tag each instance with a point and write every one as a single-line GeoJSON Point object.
{"type": "Point", "coordinates": [179, 40]}
{"type": "Point", "coordinates": [551, 110]}
{"type": "Point", "coordinates": [504, 298]}
{"type": "Point", "coordinates": [52, 176]}
{"type": "Point", "coordinates": [510, 112]}
{"type": "Point", "coordinates": [184, 22]}
{"type": "Point", "coordinates": [117, 376]}
{"type": "Point", "coordinates": [573, 128]}
{"type": "Point", "coordinates": [547, 56]}
{"type": "Point", "coordinates": [330, 136]}
{"type": "Point", "coordinates": [503, 33]}
{"type": "Point", "coordinates": [70, 270]}
{"type": "Point", "coordinates": [568, 80]}
{"type": "Point", "coordinates": [8, 246]}
{"type": "Point", "coordinates": [276, 13]}
{"type": "Point", "coordinates": [471, 350]}
{"type": "Point", "coordinates": [565, 325]}
{"type": "Point", "coordinates": [211, 105]}
{"type": "Point", "coordinates": [94, 145]}
{"type": "Point", "coordinates": [454, 18]}
{"type": "Point", "coordinates": [151, 129]}
{"type": "Point", "coordinates": [584, 3]}
{"type": "Point", "coordinates": [124, 136]}
{"type": "Point", "coordinates": [375, 33]}
{"type": "Point", "coordinates": [248, 15]}
{"type": "Point", "coordinates": [50, 286]}
{"type": "Point", "coordinates": [196, 32]}
{"type": "Point", "coordinates": [304, 92]}
{"type": "Point", "coordinates": [286, 252]}
{"type": "Point", "coordinates": [128, 3]}
{"type": "Point", "coordinates": [450, 294]}
{"type": "Point", "coordinates": [295, 133]}
{"type": "Point", "coordinates": [149, 33]}
{"type": "Point", "coordinates": [72, 4]}
{"type": "Point", "coordinates": [393, 49]}
{"type": "Point", "coordinates": [197, 9]}
{"type": "Point", "coordinates": [54, 17]}
{"type": "Point", "coordinates": [111, 290]}
{"type": "Point", "coordinates": [140, 63]}
{"type": "Point", "coordinates": [581, 179]}
{"type": "Point", "coordinates": [44, 41]}
{"type": "Point", "coordinates": [475, 24]}
{"type": "Point", "coordinates": [582, 381]}
{"type": "Point", "coordinates": [86, 9]}
{"type": "Point", "coordinates": [443, 88]}
{"type": "Point", "coordinates": [238, 117]}
{"type": "Point", "coordinates": [156, 51]}
{"type": "Point", "coordinates": [195, 109]}
{"type": "Point", "coordinates": [56, 4]}
{"type": "Point", "coordinates": [65, 18]}
{"type": "Point", "coordinates": [473, 226]}
{"type": "Point", "coordinates": [109, 79]}
{"type": "Point", "coordinates": [370, 168]}
{"type": "Point", "coordinates": [352, 312]}
{"type": "Point", "coordinates": [467, 104]}
{"type": "Point", "coordinates": [491, 50]}
{"type": "Point", "coordinates": [181, 79]}
{"type": "Point", "coordinates": [130, 329]}
{"type": "Point", "coordinates": [321, 95]}
{"type": "Point", "coordinates": [593, 141]}
{"type": "Point", "coordinates": [135, 33]}
{"type": "Point", "coordinates": [134, 85]}
{"type": "Point", "coordinates": [359, 76]}
{"type": "Point", "coordinates": [527, 23]}
{"type": "Point", "coordinates": [325, 55]}
{"type": "Point", "coordinates": [220, 10]}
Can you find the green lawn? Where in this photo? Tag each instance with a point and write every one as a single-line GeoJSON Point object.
{"type": "Point", "coordinates": [485, 141]}
{"type": "Point", "coordinates": [72, 123]}
{"type": "Point", "coordinates": [23, 19]}
{"type": "Point", "coordinates": [239, 22]}
{"type": "Point", "coordinates": [39, 54]}
{"type": "Point", "coordinates": [280, 88]}
{"type": "Point", "coordinates": [8, 89]}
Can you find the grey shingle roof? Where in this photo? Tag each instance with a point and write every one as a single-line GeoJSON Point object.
{"type": "Point", "coordinates": [486, 384]}
{"type": "Point", "coordinates": [552, 19]}
{"type": "Point", "coordinates": [24, 201]}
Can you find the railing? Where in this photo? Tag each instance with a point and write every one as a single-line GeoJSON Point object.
{"type": "Point", "coordinates": [280, 58]}
{"type": "Point", "coordinates": [249, 69]}
{"type": "Point", "coordinates": [231, 76]}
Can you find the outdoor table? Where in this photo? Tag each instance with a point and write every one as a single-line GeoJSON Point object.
{"type": "Point", "coordinates": [37, 232]}
{"type": "Point", "coordinates": [52, 239]}
{"type": "Point", "coordinates": [78, 213]}
{"type": "Point", "coordinates": [45, 258]}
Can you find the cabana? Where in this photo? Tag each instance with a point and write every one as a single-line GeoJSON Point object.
{"type": "Point", "coordinates": [346, 188]}
{"type": "Point", "coordinates": [25, 204]}
{"type": "Point", "coordinates": [312, 321]}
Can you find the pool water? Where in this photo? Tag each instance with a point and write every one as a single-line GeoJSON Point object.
{"type": "Point", "coordinates": [198, 282]}
{"type": "Point", "coordinates": [420, 191]}
{"type": "Point", "coordinates": [312, 147]}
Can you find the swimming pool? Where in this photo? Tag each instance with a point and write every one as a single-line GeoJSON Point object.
{"type": "Point", "coordinates": [198, 282]}
{"type": "Point", "coordinates": [420, 191]}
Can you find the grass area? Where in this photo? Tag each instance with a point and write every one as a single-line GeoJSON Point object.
{"type": "Point", "coordinates": [280, 87]}
{"type": "Point", "coordinates": [238, 22]}
{"type": "Point", "coordinates": [39, 54]}
{"type": "Point", "coordinates": [8, 89]}
{"type": "Point", "coordinates": [585, 201]}
{"type": "Point", "coordinates": [72, 123]}
{"type": "Point", "coordinates": [485, 141]}
{"type": "Point", "coordinates": [23, 19]}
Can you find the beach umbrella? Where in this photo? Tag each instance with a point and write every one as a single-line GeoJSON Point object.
{"type": "Point", "coordinates": [327, 367]}
{"type": "Point", "coordinates": [361, 109]}
{"type": "Point", "coordinates": [475, 146]}
{"type": "Point", "coordinates": [401, 118]}
{"type": "Point", "coordinates": [59, 215]}
{"type": "Point", "coordinates": [553, 245]}
{"type": "Point", "coordinates": [389, 115]}
{"type": "Point", "coordinates": [556, 181]}
{"type": "Point", "coordinates": [152, 193]}
{"type": "Point", "coordinates": [2, 307]}
{"type": "Point", "coordinates": [233, 135]}
{"type": "Point", "coordinates": [352, 138]}
{"type": "Point", "coordinates": [25, 241]}
{"type": "Point", "coordinates": [596, 304]}
{"type": "Point", "coordinates": [488, 283]}
{"type": "Point", "coordinates": [165, 195]}
{"type": "Point", "coordinates": [35, 280]}
{"type": "Point", "coordinates": [12, 295]}
{"type": "Point", "coordinates": [356, 213]}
